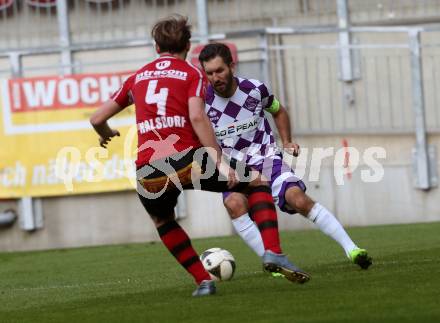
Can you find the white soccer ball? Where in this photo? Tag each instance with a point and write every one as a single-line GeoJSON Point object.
{"type": "Point", "coordinates": [219, 263]}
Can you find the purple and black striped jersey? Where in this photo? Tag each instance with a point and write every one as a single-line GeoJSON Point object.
{"type": "Point", "coordinates": [239, 122]}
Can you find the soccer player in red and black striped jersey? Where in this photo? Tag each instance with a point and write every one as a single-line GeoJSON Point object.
{"type": "Point", "coordinates": [177, 149]}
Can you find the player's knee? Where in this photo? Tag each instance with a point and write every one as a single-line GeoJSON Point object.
{"type": "Point", "coordinates": [299, 200]}
{"type": "Point", "coordinates": [236, 204]}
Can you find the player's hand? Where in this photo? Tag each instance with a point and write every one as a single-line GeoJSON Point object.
{"type": "Point", "coordinates": [292, 148]}
{"type": "Point", "coordinates": [103, 141]}
{"type": "Point", "coordinates": [232, 178]}
{"type": "Point", "coordinates": [228, 172]}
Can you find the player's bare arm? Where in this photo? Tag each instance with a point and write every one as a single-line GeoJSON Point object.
{"type": "Point", "coordinates": [204, 131]}
{"type": "Point", "coordinates": [99, 121]}
{"type": "Point", "coordinates": [282, 122]}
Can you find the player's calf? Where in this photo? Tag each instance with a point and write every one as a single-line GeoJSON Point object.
{"type": "Point", "coordinates": [262, 207]}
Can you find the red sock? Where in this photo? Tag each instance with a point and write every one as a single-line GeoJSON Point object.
{"type": "Point", "coordinates": [262, 208]}
{"type": "Point", "coordinates": [179, 244]}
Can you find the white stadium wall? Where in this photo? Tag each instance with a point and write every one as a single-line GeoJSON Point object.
{"type": "Point", "coordinates": [99, 219]}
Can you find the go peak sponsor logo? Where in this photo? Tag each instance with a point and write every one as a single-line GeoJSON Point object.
{"type": "Point", "coordinates": [237, 128]}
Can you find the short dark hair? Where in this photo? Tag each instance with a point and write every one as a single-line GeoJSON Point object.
{"type": "Point", "coordinates": [213, 50]}
{"type": "Point", "coordinates": [172, 34]}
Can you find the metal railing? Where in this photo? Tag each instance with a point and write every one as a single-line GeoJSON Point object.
{"type": "Point", "coordinates": [25, 26]}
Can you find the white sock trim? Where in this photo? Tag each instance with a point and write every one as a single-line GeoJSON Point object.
{"type": "Point", "coordinates": [329, 224]}
{"type": "Point", "coordinates": [248, 231]}
{"type": "Point", "coordinates": [242, 223]}
{"type": "Point", "coordinates": [314, 212]}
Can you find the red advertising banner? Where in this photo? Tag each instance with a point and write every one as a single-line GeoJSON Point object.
{"type": "Point", "coordinates": [54, 93]}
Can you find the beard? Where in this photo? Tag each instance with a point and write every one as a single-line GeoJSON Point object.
{"type": "Point", "coordinates": [225, 88]}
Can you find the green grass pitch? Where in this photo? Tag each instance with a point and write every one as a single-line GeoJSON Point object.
{"type": "Point", "coordinates": [143, 283]}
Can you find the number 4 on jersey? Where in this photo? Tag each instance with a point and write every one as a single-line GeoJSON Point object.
{"type": "Point", "coordinates": [159, 98]}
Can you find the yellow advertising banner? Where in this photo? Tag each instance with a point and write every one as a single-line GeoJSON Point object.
{"type": "Point", "coordinates": [47, 145]}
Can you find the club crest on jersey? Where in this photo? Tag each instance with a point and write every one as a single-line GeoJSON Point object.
{"type": "Point", "coordinates": [251, 103]}
{"type": "Point", "coordinates": [163, 65]}
{"type": "Point", "coordinates": [213, 115]}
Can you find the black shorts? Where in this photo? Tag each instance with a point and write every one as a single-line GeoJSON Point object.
{"type": "Point", "coordinates": [161, 181]}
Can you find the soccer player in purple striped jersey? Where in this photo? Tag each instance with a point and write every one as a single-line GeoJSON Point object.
{"type": "Point", "coordinates": [236, 108]}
